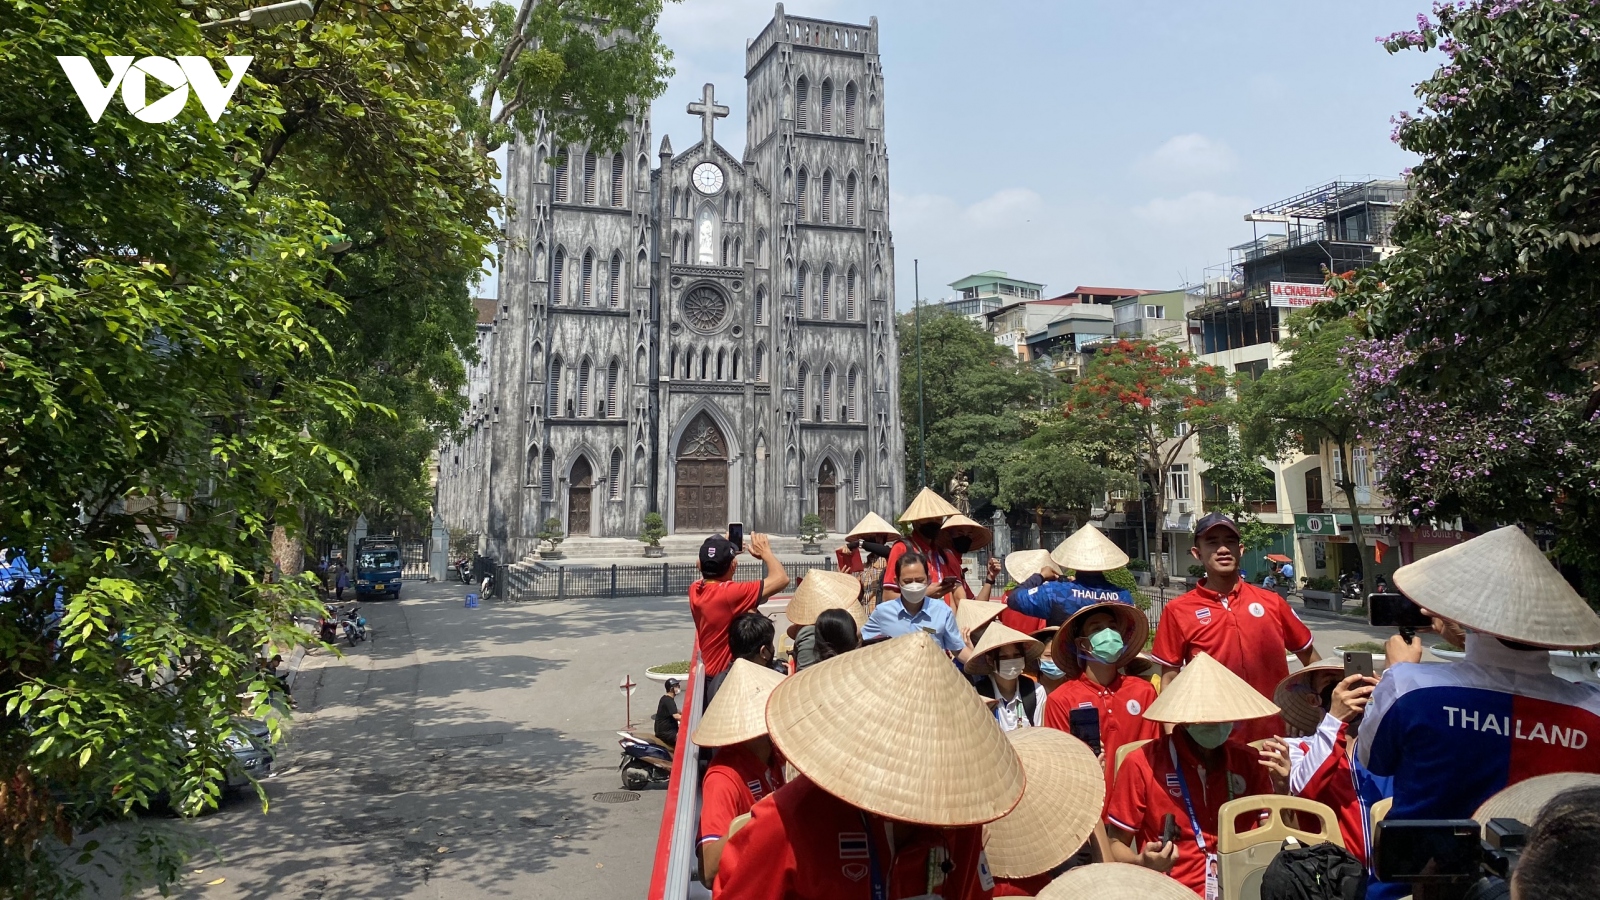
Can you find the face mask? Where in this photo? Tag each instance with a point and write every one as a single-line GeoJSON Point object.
{"type": "Point", "coordinates": [913, 592]}
{"type": "Point", "coordinates": [1211, 735]}
{"type": "Point", "coordinates": [1009, 669]}
{"type": "Point", "coordinates": [1048, 667]}
{"type": "Point", "coordinates": [1106, 645]}
{"type": "Point", "coordinates": [928, 529]}
{"type": "Point", "coordinates": [961, 544]}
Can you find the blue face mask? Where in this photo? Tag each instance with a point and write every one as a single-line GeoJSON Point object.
{"type": "Point", "coordinates": [1049, 669]}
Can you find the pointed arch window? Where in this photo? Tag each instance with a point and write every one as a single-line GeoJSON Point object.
{"type": "Point", "coordinates": [825, 294]}
{"type": "Point", "coordinates": [614, 483]}
{"type": "Point", "coordinates": [827, 197]}
{"type": "Point", "coordinates": [760, 366]}
{"type": "Point", "coordinates": [558, 265]}
{"type": "Point", "coordinates": [722, 363]}
{"type": "Point", "coordinates": [857, 489]}
{"type": "Point", "coordinates": [613, 397]}
{"type": "Point", "coordinates": [850, 294]}
{"type": "Point", "coordinates": [727, 244]}
{"type": "Point", "coordinates": [616, 180]}
{"type": "Point", "coordinates": [586, 286]}
{"type": "Point", "coordinates": [802, 92]}
{"type": "Point", "coordinates": [583, 388]}
{"type": "Point", "coordinates": [850, 199]}
{"type": "Point", "coordinates": [562, 180]}
{"type": "Point", "coordinates": [827, 393]}
{"type": "Point", "coordinates": [761, 247]}
{"type": "Point", "coordinates": [614, 283]}
{"type": "Point", "coordinates": [800, 287]}
{"type": "Point", "coordinates": [589, 173]}
{"type": "Point", "coordinates": [852, 412]}
{"type": "Point", "coordinates": [800, 391]}
{"type": "Point", "coordinates": [800, 191]}
{"type": "Point", "coordinates": [705, 363]}
{"type": "Point", "coordinates": [643, 270]}
{"type": "Point", "coordinates": [827, 107]}
{"type": "Point", "coordinates": [761, 306]}
{"type": "Point", "coordinates": [733, 371]}
{"type": "Point", "coordinates": [531, 465]}
{"type": "Point", "coordinates": [850, 108]}
{"type": "Point", "coordinates": [547, 474]}
{"type": "Point", "coordinates": [552, 400]}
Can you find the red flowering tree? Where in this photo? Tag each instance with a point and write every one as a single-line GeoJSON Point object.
{"type": "Point", "coordinates": [1147, 400]}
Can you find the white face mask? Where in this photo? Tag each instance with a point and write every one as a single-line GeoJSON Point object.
{"type": "Point", "coordinates": [1010, 668]}
{"type": "Point", "coordinates": [913, 592]}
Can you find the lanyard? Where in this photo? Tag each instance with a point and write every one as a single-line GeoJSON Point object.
{"type": "Point", "coordinates": [880, 886]}
{"type": "Point", "coordinates": [1188, 804]}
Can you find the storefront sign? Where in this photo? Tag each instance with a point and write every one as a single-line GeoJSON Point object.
{"type": "Point", "coordinates": [1432, 536]}
{"type": "Point", "coordinates": [1315, 524]}
{"type": "Point", "coordinates": [1296, 296]}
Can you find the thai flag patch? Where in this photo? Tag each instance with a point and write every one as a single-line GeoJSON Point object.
{"type": "Point", "coordinates": [1172, 785]}
{"type": "Point", "coordinates": [755, 787]}
{"type": "Point", "coordinates": [853, 845]}
{"type": "Point", "coordinates": [1203, 614]}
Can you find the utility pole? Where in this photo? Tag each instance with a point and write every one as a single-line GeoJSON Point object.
{"type": "Point", "coordinates": [922, 432]}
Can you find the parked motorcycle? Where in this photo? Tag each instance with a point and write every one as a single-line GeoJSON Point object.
{"type": "Point", "coordinates": [463, 569]}
{"type": "Point", "coordinates": [1350, 587]}
{"type": "Point", "coordinates": [486, 587]}
{"type": "Point", "coordinates": [354, 625]}
{"type": "Point", "coordinates": [646, 760]}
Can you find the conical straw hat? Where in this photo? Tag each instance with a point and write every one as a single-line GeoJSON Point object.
{"type": "Point", "coordinates": [1059, 808]}
{"type": "Point", "coordinates": [959, 525]}
{"type": "Point", "coordinates": [820, 590]}
{"type": "Point", "coordinates": [1132, 624]}
{"type": "Point", "coordinates": [1088, 550]}
{"type": "Point", "coordinates": [873, 527]}
{"type": "Point", "coordinates": [928, 505]}
{"type": "Point", "coordinates": [999, 634]}
{"type": "Point", "coordinates": [1500, 584]}
{"type": "Point", "coordinates": [1300, 716]}
{"type": "Point", "coordinates": [1115, 881]}
{"type": "Point", "coordinates": [738, 712]}
{"type": "Point", "coordinates": [893, 729]}
{"type": "Point", "coordinates": [1024, 564]}
{"type": "Point", "coordinates": [1205, 691]}
{"type": "Point", "coordinates": [1523, 800]}
{"type": "Point", "coordinates": [972, 615]}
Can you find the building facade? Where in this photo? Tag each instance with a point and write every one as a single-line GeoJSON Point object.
{"type": "Point", "coordinates": [712, 337]}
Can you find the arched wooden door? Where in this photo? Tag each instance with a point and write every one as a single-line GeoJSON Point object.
{"type": "Point", "coordinates": [828, 495]}
{"type": "Point", "coordinates": [700, 487]}
{"type": "Point", "coordinates": [580, 496]}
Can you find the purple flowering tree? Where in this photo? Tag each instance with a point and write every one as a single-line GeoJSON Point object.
{"type": "Point", "coordinates": [1479, 379]}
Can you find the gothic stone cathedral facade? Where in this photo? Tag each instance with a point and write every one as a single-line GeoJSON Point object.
{"type": "Point", "coordinates": [712, 339]}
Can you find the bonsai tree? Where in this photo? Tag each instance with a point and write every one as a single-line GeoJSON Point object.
{"type": "Point", "coordinates": [811, 530]}
{"type": "Point", "coordinates": [655, 528]}
{"type": "Point", "coordinates": [552, 532]}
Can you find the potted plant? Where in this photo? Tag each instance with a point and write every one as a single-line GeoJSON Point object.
{"type": "Point", "coordinates": [665, 671]}
{"type": "Point", "coordinates": [553, 535]}
{"type": "Point", "coordinates": [1140, 570]}
{"type": "Point", "coordinates": [811, 531]}
{"type": "Point", "coordinates": [1322, 592]}
{"type": "Point", "coordinates": [655, 528]}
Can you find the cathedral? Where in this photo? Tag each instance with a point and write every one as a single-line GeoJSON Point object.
{"type": "Point", "coordinates": [712, 337]}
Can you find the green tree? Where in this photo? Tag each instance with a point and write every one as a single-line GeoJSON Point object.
{"type": "Point", "coordinates": [1054, 469]}
{"type": "Point", "coordinates": [1144, 401]}
{"type": "Point", "coordinates": [975, 395]}
{"type": "Point", "coordinates": [1482, 376]}
{"type": "Point", "coordinates": [1308, 401]}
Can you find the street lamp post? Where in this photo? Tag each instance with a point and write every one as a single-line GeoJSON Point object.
{"type": "Point", "coordinates": [267, 16]}
{"type": "Point", "coordinates": [922, 432]}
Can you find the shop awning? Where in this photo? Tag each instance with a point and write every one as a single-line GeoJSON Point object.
{"type": "Point", "coordinates": [1278, 558]}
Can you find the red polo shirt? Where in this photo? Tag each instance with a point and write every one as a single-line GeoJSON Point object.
{"type": "Point", "coordinates": [736, 779]}
{"type": "Point", "coordinates": [802, 843]}
{"type": "Point", "coordinates": [1121, 704]}
{"type": "Point", "coordinates": [714, 605]}
{"type": "Point", "coordinates": [1147, 789]}
{"type": "Point", "coordinates": [1248, 631]}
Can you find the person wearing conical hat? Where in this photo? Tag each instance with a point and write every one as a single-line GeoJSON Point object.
{"type": "Point", "coordinates": [998, 667]}
{"type": "Point", "coordinates": [1452, 735]}
{"type": "Point", "coordinates": [925, 515]}
{"type": "Point", "coordinates": [1244, 627]}
{"type": "Point", "coordinates": [958, 536]}
{"type": "Point", "coordinates": [1188, 775]}
{"type": "Point", "coordinates": [1089, 555]}
{"type": "Point", "coordinates": [819, 591]}
{"type": "Point", "coordinates": [870, 814]}
{"type": "Point", "coordinates": [1322, 708]}
{"type": "Point", "coordinates": [871, 528]}
{"type": "Point", "coordinates": [1051, 675]}
{"type": "Point", "coordinates": [1091, 648]}
{"type": "Point", "coordinates": [1048, 831]}
{"type": "Point", "coordinates": [1562, 857]}
{"type": "Point", "coordinates": [744, 768]}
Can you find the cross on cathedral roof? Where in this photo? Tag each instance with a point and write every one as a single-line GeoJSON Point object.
{"type": "Point", "coordinates": [709, 111]}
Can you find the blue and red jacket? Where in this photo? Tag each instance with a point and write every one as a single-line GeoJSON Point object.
{"type": "Point", "coordinates": [1056, 601]}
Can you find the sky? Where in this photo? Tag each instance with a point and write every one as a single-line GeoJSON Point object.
{"type": "Point", "coordinates": [1088, 143]}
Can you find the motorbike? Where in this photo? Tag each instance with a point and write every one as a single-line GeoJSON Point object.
{"type": "Point", "coordinates": [354, 625]}
{"type": "Point", "coordinates": [646, 760]}
{"type": "Point", "coordinates": [463, 569]}
{"type": "Point", "coordinates": [486, 587]}
{"type": "Point", "coordinates": [1350, 587]}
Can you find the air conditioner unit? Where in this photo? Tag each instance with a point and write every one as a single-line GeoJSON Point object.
{"type": "Point", "coordinates": [1184, 507]}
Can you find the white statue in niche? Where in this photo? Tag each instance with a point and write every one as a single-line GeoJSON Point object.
{"type": "Point", "coordinates": [706, 238]}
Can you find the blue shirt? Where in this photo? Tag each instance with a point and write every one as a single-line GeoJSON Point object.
{"type": "Point", "coordinates": [890, 619]}
{"type": "Point", "coordinates": [1288, 572]}
{"type": "Point", "coordinates": [1056, 601]}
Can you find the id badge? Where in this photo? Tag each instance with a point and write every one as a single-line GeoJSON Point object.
{"type": "Point", "coordinates": [1212, 891]}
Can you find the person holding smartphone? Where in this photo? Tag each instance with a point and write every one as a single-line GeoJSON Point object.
{"type": "Point", "coordinates": [1091, 649]}
{"type": "Point", "coordinates": [716, 599]}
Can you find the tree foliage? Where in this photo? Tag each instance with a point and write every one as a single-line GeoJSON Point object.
{"type": "Point", "coordinates": [1482, 378]}
{"type": "Point", "coordinates": [1147, 400]}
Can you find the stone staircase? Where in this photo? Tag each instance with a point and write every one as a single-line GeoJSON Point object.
{"type": "Point", "coordinates": [678, 547]}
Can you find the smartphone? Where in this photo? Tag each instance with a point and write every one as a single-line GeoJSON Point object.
{"type": "Point", "coordinates": [736, 534]}
{"type": "Point", "coordinates": [1169, 828]}
{"type": "Point", "coordinates": [1085, 726]}
{"type": "Point", "coordinates": [1395, 611]}
{"type": "Point", "coordinates": [1357, 663]}
{"type": "Point", "coordinates": [1427, 850]}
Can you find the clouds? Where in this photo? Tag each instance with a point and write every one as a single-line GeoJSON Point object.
{"type": "Point", "coordinates": [1188, 159]}
{"type": "Point", "coordinates": [1196, 208]}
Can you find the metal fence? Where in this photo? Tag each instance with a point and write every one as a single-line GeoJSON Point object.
{"type": "Point", "coordinates": [414, 559]}
{"type": "Point", "coordinates": [577, 582]}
